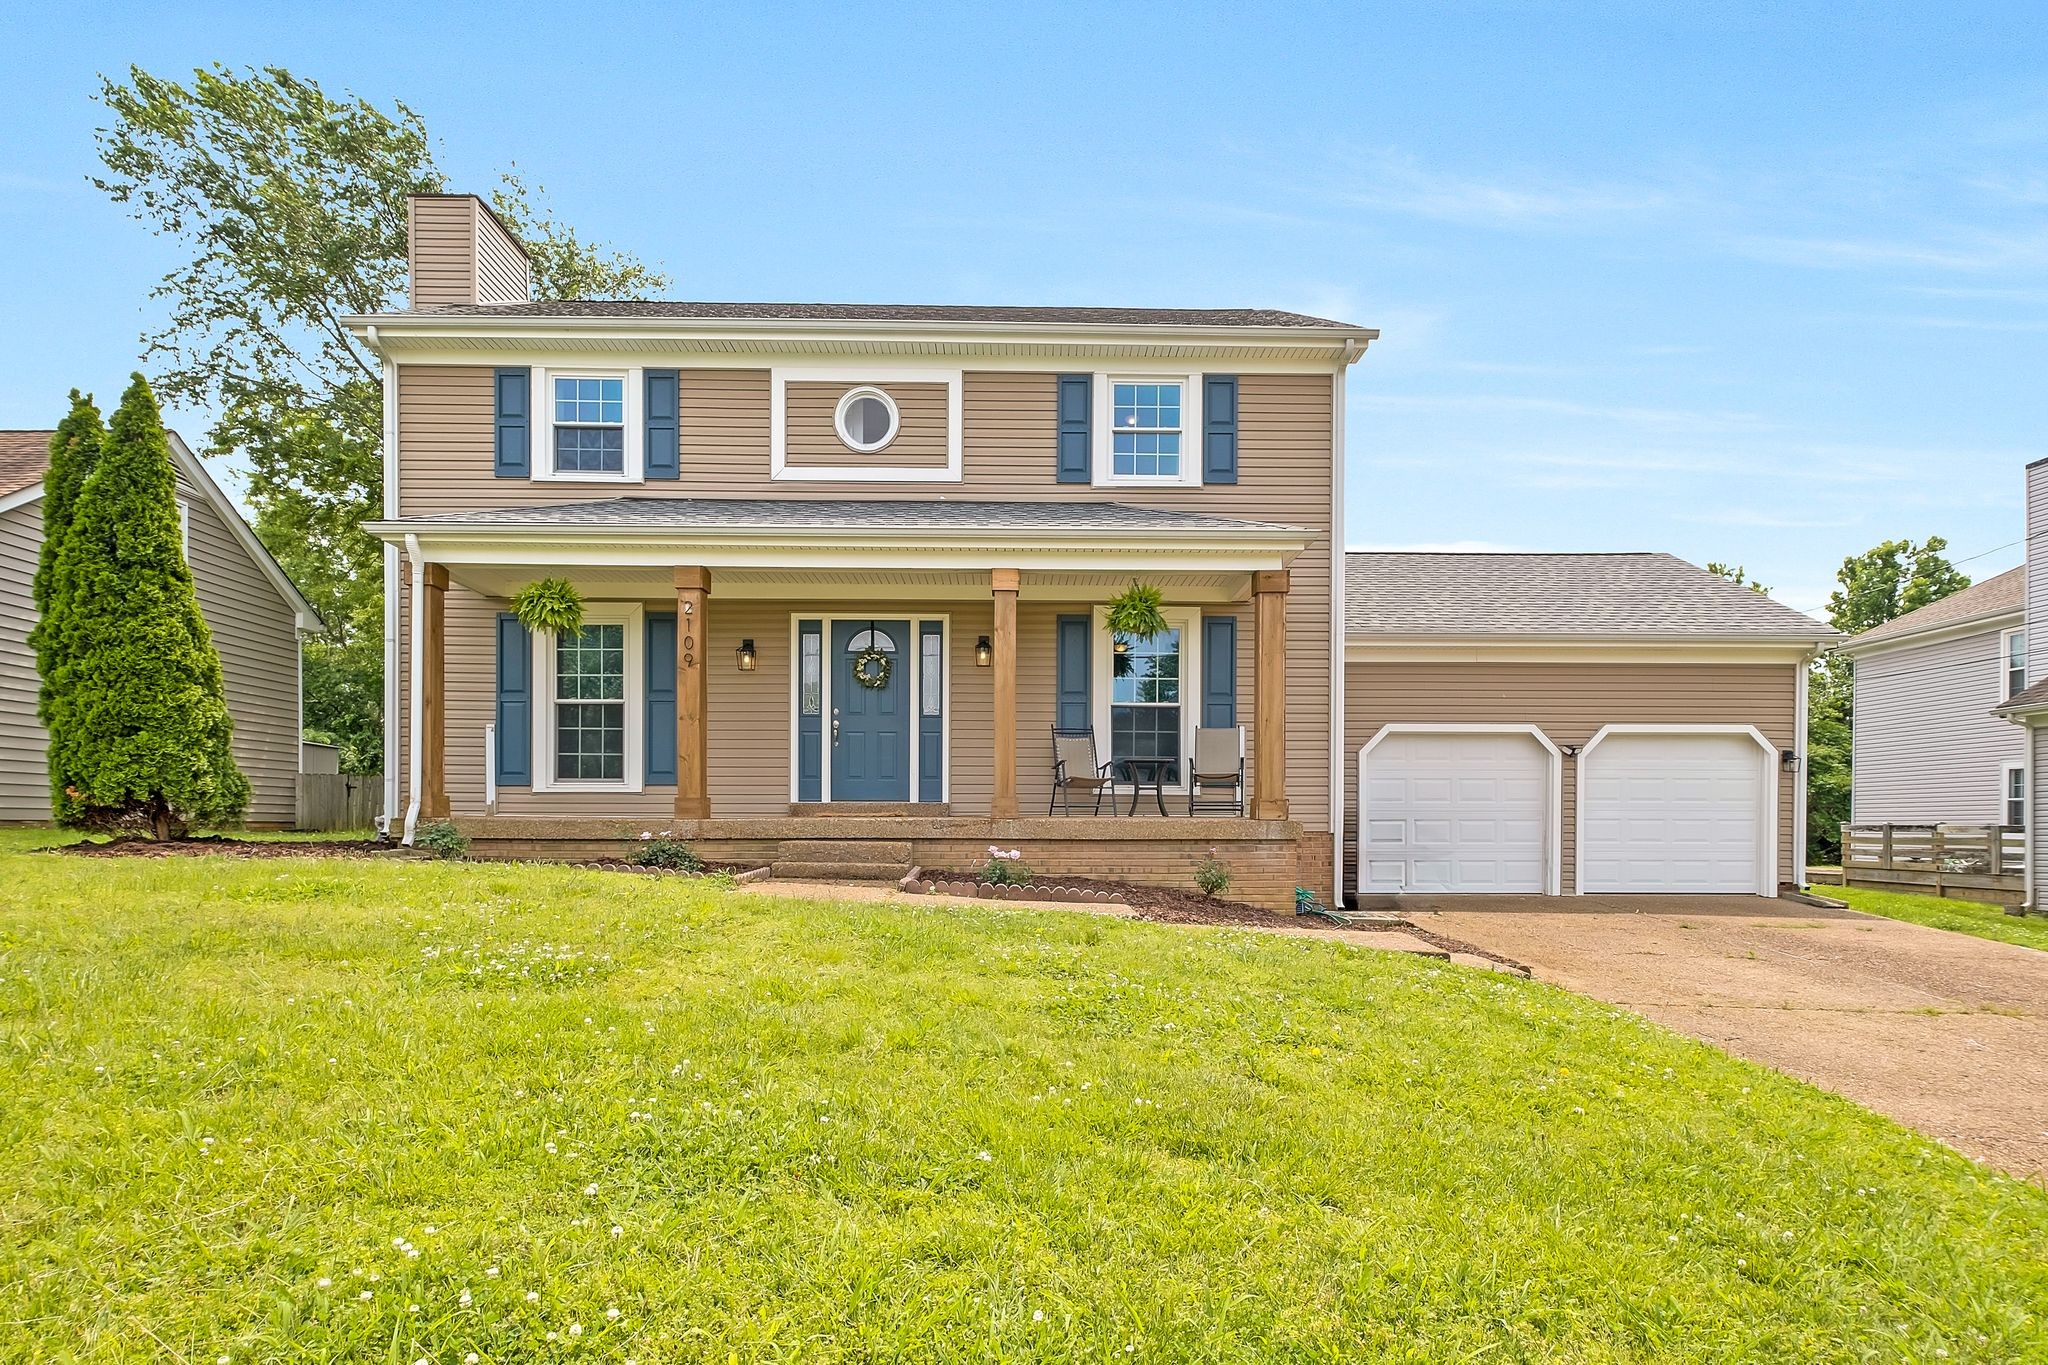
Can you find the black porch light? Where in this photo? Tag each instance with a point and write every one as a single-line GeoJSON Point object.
{"type": "Point", "coordinates": [984, 652]}
{"type": "Point", "coordinates": [1788, 759]}
{"type": "Point", "coordinates": [746, 656]}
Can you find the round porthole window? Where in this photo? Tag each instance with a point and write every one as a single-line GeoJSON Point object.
{"type": "Point", "coordinates": [866, 419]}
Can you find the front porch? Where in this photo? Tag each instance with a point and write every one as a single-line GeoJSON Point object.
{"type": "Point", "coordinates": [730, 707]}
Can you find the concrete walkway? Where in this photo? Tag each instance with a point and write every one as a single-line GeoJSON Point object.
{"type": "Point", "coordinates": [1939, 1030]}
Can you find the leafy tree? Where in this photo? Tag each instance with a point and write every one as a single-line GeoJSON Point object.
{"type": "Point", "coordinates": [1889, 580]}
{"type": "Point", "coordinates": [74, 449]}
{"type": "Point", "coordinates": [292, 205]}
{"type": "Point", "coordinates": [1736, 574]}
{"type": "Point", "coordinates": [139, 727]}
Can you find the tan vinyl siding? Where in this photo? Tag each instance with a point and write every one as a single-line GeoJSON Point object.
{"type": "Point", "coordinates": [812, 440]}
{"type": "Point", "coordinates": [254, 631]}
{"type": "Point", "coordinates": [441, 241]}
{"type": "Point", "coordinates": [24, 773]}
{"type": "Point", "coordinates": [1285, 475]}
{"type": "Point", "coordinates": [502, 273]}
{"type": "Point", "coordinates": [1568, 702]}
{"type": "Point", "coordinates": [1927, 746]}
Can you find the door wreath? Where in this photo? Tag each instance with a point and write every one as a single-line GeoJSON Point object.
{"type": "Point", "coordinates": [871, 669]}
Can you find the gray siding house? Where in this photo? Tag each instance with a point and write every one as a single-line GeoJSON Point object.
{"type": "Point", "coordinates": [1928, 747]}
{"type": "Point", "coordinates": [255, 613]}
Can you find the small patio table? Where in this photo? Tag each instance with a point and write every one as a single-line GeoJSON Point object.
{"type": "Point", "coordinates": [1149, 772]}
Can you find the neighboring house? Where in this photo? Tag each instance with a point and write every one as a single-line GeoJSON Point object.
{"type": "Point", "coordinates": [2028, 708]}
{"type": "Point", "coordinates": [254, 612]}
{"type": "Point", "coordinates": [1928, 747]}
{"type": "Point", "coordinates": [760, 502]}
{"type": "Point", "coordinates": [1568, 723]}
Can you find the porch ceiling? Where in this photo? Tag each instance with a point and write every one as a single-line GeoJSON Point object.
{"type": "Point", "coordinates": [641, 583]}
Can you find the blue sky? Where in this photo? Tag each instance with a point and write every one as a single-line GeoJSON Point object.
{"type": "Point", "coordinates": [1759, 283]}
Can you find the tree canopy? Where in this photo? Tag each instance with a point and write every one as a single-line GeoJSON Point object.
{"type": "Point", "coordinates": [291, 206]}
{"type": "Point", "coordinates": [74, 450]}
{"type": "Point", "coordinates": [1890, 579]}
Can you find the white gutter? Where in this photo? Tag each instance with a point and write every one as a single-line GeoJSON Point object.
{"type": "Point", "coordinates": [418, 690]}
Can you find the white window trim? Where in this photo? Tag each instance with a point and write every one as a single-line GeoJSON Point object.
{"type": "Point", "coordinates": [1189, 622]}
{"type": "Point", "coordinates": [185, 528]}
{"type": "Point", "coordinates": [2005, 772]}
{"type": "Point", "coordinates": [847, 399]}
{"type": "Point", "coordinates": [825, 676]}
{"type": "Point", "coordinates": [595, 614]}
{"type": "Point", "coordinates": [542, 459]}
{"type": "Point", "coordinates": [781, 376]}
{"type": "Point", "coordinates": [1553, 837]}
{"type": "Point", "coordinates": [2005, 688]}
{"type": "Point", "coordinates": [1105, 475]}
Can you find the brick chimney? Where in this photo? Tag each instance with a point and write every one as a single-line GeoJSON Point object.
{"type": "Point", "coordinates": [458, 251]}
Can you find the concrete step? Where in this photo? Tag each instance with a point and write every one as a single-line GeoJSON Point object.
{"type": "Point", "coordinates": [844, 851]}
{"type": "Point", "coordinates": [819, 871]}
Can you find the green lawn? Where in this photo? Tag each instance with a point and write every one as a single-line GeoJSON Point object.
{"type": "Point", "coordinates": [1965, 917]}
{"type": "Point", "coordinates": [325, 1110]}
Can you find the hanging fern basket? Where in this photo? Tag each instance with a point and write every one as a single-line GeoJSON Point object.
{"type": "Point", "coordinates": [1137, 613]}
{"type": "Point", "coordinates": [552, 605]}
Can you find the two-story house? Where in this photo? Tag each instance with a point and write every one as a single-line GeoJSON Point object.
{"type": "Point", "coordinates": [845, 570]}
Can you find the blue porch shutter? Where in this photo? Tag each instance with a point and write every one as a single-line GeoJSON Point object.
{"type": "Point", "coordinates": [1219, 428]}
{"type": "Point", "coordinates": [810, 707]}
{"type": "Point", "coordinates": [931, 717]}
{"type": "Point", "coordinates": [661, 698]}
{"type": "Point", "coordinates": [1219, 672]}
{"type": "Point", "coordinates": [661, 410]}
{"type": "Point", "coordinates": [515, 703]}
{"type": "Point", "coordinates": [1076, 409]}
{"type": "Point", "coordinates": [1071, 708]}
{"type": "Point", "coordinates": [511, 401]}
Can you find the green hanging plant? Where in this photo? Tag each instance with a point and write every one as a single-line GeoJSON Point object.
{"type": "Point", "coordinates": [551, 605]}
{"type": "Point", "coordinates": [1136, 613]}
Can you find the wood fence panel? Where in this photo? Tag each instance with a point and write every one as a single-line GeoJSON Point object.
{"type": "Point", "coordinates": [336, 801]}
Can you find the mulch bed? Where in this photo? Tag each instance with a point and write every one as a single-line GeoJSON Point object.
{"type": "Point", "coordinates": [135, 846]}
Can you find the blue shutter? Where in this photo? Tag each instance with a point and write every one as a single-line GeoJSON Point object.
{"type": "Point", "coordinates": [810, 739]}
{"type": "Point", "coordinates": [1076, 410]}
{"type": "Point", "coordinates": [660, 455]}
{"type": "Point", "coordinates": [661, 698]}
{"type": "Point", "coordinates": [1219, 428]}
{"type": "Point", "coordinates": [515, 703]}
{"type": "Point", "coordinates": [1072, 709]}
{"type": "Point", "coordinates": [1219, 672]}
{"type": "Point", "coordinates": [931, 723]}
{"type": "Point", "coordinates": [512, 407]}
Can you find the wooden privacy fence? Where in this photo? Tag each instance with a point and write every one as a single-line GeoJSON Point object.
{"type": "Point", "coordinates": [339, 800]}
{"type": "Point", "coordinates": [1972, 862]}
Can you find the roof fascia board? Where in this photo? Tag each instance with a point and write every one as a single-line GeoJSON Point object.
{"type": "Point", "coordinates": [1704, 649]}
{"type": "Point", "coordinates": [1984, 623]}
{"type": "Point", "coordinates": [21, 497]}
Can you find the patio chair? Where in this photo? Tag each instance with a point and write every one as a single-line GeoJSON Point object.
{"type": "Point", "coordinates": [1216, 774]}
{"type": "Point", "coordinates": [1076, 767]}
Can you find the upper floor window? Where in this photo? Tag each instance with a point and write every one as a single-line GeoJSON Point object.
{"type": "Point", "coordinates": [1145, 430]}
{"type": "Point", "coordinates": [2015, 662]}
{"type": "Point", "coordinates": [590, 425]}
{"type": "Point", "coordinates": [866, 419]}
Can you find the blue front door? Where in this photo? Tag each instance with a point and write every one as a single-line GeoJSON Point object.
{"type": "Point", "coordinates": [871, 725]}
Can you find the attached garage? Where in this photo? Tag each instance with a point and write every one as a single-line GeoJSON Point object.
{"type": "Point", "coordinates": [1570, 723]}
{"type": "Point", "coordinates": [1459, 809]}
{"type": "Point", "coordinates": [1678, 810]}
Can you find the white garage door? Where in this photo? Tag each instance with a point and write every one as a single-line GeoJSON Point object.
{"type": "Point", "coordinates": [1455, 812]}
{"type": "Point", "coordinates": [1673, 813]}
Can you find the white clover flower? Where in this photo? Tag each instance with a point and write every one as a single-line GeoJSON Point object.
{"type": "Point", "coordinates": [471, 1358]}
{"type": "Point", "coordinates": [983, 1156]}
{"type": "Point", "coordinates": [323, 1282]}
{"type": "Point", "coordinates": [611, 1315]}
{"type": "Point", "coordinates": [1038, 1315]}
{"type": "Point", "coordinates": [590, 1189]}
{"type": "Point", "coordinates": [533, 1296]}
{"type": "Point", "coordinates": [618, 1231]}
{"type": "Point", "coordinates": [491, 1273]}
{"type": "Point", "coordinates": [575, 1329]}
{"type": "Point", "coordinates": [364, 1296]}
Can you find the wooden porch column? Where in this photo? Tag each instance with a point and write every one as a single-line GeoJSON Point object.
{"type": "Point", "coordinates": [693, 752]}
{"type": "Point", "coordinates": [1002, 802]}
{"type": "Point", "coordinates": [434, 692]}
{"type": "Point", "coordinates": [1269, 697]}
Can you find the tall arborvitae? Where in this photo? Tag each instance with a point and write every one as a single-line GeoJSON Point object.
{"type": "Point", "coordinates": [74, 449]}
{"type": "Point", "coordinates": [139, 725]}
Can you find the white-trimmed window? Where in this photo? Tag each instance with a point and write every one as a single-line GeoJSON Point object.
{"type": "Point", "coordinates": [590, 426]}
{"type": "Point", "coordinates": [1146, 691]}
{"type": "Point", "coordinates": [2015, 794]}
{"type": "Point", "coordinates": [2013, 650]}
{"type": "Point", "coordinates": [588, 726]}
{"type": "Point", "coordinates": [185, 528]}
{"type": "Point", "coordinates": [1147, 429]}
{"type": "Point", "coordinates": [866, 419]}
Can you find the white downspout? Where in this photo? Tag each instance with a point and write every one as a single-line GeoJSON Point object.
{"type": "Point", "coordinates": [490, 767]}
{"type": "Point", "coordinates": [417, 676]}
{"type": "Point", "coordinates": [391, 581]}
{"type": "Point", "coordinates": [1338, 544]}
{"type": "Point", "coordinates": [1803, 681]}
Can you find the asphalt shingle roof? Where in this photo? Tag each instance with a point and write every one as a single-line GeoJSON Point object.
{"type": "Point", "coordinates": [887, 312]}
{"type": "Point", "coordinates": [2004, 593]}
{"type": "Point", "coordinates": [24, 455]}
{"type": "Point", "coordinates": [1413, 593]}
{"type": "Point", "coordinates": [850, 514]}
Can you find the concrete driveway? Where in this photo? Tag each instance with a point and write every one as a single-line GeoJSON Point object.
{"type": "Point", "coordinates": [1941, 1031]}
